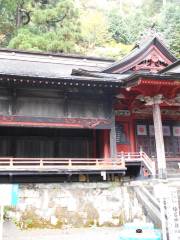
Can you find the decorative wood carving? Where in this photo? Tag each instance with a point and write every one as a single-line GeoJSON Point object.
{"type": "Point", "coordinates": [154, 62]}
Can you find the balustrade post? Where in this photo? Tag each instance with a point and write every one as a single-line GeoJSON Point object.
{"type": "Point", "coordinates": [153, 168]}
{"type": "Point", "coordinates": [11, 162]}
{"type": "Point", "coordinates": [41, 162]}
{"type": "Point", "coordinates": [97, 162]}
{"type": "Point", "coordinates": [122, 155]}
{"type": "Point", "coordinates": [141, 154]}
{"type": "Point", "coordinates": [70, 162]}
{"type": "Point", "coordinates": [122, 159]}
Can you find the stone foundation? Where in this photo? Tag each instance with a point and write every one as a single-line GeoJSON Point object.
{"type": "Point", "coordinates": [76, 205]}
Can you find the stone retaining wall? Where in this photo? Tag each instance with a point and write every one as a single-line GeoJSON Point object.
{"type": "Point", "coordinates": [76, 204]}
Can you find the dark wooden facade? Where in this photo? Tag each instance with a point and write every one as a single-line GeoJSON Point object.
{"type": "Point", "coordinates": [53, 123]}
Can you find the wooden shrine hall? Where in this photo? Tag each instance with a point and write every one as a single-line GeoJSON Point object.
{"type": "Point", "coordinates": [72, 116]}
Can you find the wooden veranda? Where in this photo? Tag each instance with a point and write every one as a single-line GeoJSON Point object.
{"type": "Point", "coordinates": [77, 164]}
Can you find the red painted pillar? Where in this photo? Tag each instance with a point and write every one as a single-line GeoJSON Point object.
{"type": "Point", "coordinates": [106, 147]}
{"type": "Point", "coordinates": [132, 135]}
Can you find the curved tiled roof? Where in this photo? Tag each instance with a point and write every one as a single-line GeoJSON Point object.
{"type": "Point", "coordinates": [46, 65]}
{"type": "Point", "coordinates": [138, 54]}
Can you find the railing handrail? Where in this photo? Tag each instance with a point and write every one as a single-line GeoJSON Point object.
{"type": "Point", "coordinates": [118, 161]}
{"type": "Point", "coordinates": [139, 156]}
{"type": "Point", "coordinates": [60, 162]}
{"type": "Point", "coordinates": [149, 163]}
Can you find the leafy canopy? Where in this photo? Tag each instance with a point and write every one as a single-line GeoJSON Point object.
{"type": "Point", "coordinates": [100, 27]}
{"type": "Point", "coordinates": [53, 27]}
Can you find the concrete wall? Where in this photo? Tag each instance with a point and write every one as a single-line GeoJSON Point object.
{"type": "Point", "coordinates": [76, 204]}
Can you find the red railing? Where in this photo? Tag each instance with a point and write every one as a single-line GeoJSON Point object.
{"type": "Point", "coordinates": [61, 163]}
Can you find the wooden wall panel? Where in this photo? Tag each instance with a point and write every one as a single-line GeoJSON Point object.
{"type": "Point", "coordinates": [43, 107]}
{"type": "Point", "coordinates": [60, 105]}
{"type": "Point", "coordinates": [4, 106]}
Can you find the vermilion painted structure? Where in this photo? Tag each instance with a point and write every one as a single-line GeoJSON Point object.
{"type": "Point", "coordinates": [70, 115]}
{"type": "Point", "coordinates": [147, 77]}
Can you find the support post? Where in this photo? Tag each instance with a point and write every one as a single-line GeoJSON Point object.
{"type": "Point", "coordinates": [106, 143]}
{"type": "Point", "coordinates": [132, 135]}
{"type": "Point", "coordinates": [113, 137]}
{"type": "Point", "coordinates": [161, 160]}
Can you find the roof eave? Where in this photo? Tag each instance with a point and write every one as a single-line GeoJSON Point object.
{"type": "Point", "coordinates": [70, 79]}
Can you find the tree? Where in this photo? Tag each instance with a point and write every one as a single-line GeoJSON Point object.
{"type": "Point", "coordinates": [169, 25]}
{"type": "Point", "coordinates": [86, 26]}
{"type": "Point", "coordinates": [53, 26]}
{"type": "Point", "coordinates": [126, 28]}
{"type": "Point", "coordinates": [94, 29]}
{"type": "Point", "coordinates": [7, 20]}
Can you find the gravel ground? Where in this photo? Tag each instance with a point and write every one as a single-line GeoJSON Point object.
{"type": "Point", "coordinates": [11, 232]}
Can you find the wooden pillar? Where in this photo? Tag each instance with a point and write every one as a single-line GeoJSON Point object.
{"type": "Point", "coordinates": [161, 160]}
{"type": "Point", "coordinates": [113, 149]}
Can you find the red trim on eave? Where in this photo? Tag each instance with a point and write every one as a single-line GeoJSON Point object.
{"type": "Point", "coordinates": [160, 82]}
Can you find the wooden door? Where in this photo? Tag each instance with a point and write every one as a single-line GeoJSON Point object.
{"type": "Point", "coordinates": [122, 137]}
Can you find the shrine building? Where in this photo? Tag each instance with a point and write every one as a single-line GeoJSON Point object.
{"type": "Point", "coordinates": [65, 117]}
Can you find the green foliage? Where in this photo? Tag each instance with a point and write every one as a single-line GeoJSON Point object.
{"type": "Point", "coordinates": [94, 29]}
{"type": "Point", "coordinates": [111, 50]}
{"type": "Point", "coordinates": [126, 28]}
{"type": "Point", "coordinates": [169, 25]}
{"type": "Point", "coordinates": [7, 13]}
{"type": "Point", "coordinates": [105, 27]}
{"type": "Point", "coordinates": [53, 27]}
{"type": "Point", "coordinates": [126, 25]}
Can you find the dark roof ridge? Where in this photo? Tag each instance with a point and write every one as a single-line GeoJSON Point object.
{"type": "Point", "coordinates": [89, 73]}
{"type": "Point", "coordinates": [77, 56]}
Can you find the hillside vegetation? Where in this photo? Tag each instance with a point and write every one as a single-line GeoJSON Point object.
{"type": "Point", "coordinates": [106, 28]}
